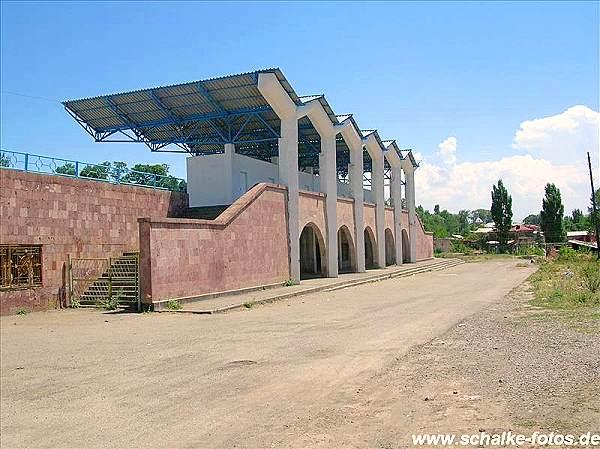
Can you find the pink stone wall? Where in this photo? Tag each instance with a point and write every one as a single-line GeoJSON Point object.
{"type": "Point", "coordinates": [389, 219]}
{"type": "Point", "coordinates": [424, 239]}
{"type": "Point", "coordinates": [65, 215]}
{"type": "Point", "coordinates": [312, 209]}
{"type": "Point", "coordinates": [247, 245]}
{"type": "Point", "coordinates": [370, 220]}
{"type": "Point", "coordinates": [345, 215]}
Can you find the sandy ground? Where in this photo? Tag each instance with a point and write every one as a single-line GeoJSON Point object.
{"type": "Point", "coordinates": [350, 368]}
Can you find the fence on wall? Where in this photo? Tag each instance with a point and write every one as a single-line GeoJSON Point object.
{"type": "Point", "coordinates": [115, 173]}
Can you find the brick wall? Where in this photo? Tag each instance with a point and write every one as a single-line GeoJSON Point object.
{"type": "Point", "coordinates": [83, 218]}
{"type": "Point", "coordinates": [247, 245]}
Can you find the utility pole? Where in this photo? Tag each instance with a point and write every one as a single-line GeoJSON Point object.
{"type": "Point", "coordinates": [594, 213]}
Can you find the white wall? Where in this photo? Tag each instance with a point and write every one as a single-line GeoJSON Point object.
{"type": "Point", "coordinates": [209, 180]}
{"type": "Point", "coordinates": [253, 171]}
{"type": "Point", "coordinates": [219, 179]}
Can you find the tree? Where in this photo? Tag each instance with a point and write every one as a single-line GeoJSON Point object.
{"type": "Point", "coordinates": [65, 169]}
{"type": "Point", "coordinates": [4, 160]}
{"type": "Point", "coordinates": [96, 171]}
{"type": "Point", "coordinates": [551, 216]}
{"type": "Point", "coordinates": [501, 211]}
{"type": "Point", "coordinates": [576, 216]}
{"type": "Point", "coordinates": [463, 222]}
{"type": "Point", "coordinates": [436, 209]}
{"type": "Point", "coordinates": [153, 175]}
{"type": "Point", "coordinates": [483, 215]}
{"type": "Point", "coordinates": [533, 219]}
{"type": "Point", "coordinates": [592, 222]}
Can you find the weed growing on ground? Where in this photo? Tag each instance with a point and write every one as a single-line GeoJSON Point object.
{"type": "Point", "coordinates": [173, 304]}
{"type": "Point", "coordinates": [249, 305]}
{"type": "Point", "coordinates": [112, 302]}
{"type": "Point", "coordinates": [569, 281]}
{"type": "Point", "coordinates": [291, 282]}
{"type": "Point", "coordinates": [22, 312]}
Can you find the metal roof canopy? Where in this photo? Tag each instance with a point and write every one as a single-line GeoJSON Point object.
{"type": "Point", "coordinates": [200, 117]}
{"type": "Point", "coordinates": [197, 117]}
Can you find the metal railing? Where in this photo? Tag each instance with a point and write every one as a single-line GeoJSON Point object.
{"type": "Point", "coordinates": [115, 173]}
{"type": "Point", "coordinates": [20, 266]}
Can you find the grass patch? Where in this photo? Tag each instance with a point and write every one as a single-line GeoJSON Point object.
{"type": "Point", "coordinates": [569, 283]}
{"type": "Point", "coordinates": [249, 304]}
{"type": "Point", "coordinates": [173, 304]}
{"type": "Point", "coordinates": [22, 312]}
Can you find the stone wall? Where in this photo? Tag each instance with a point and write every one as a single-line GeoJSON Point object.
{"type": "Point", "coordinates": [245, 246]}
{"type": "Point", "coordinates": [83, 218]}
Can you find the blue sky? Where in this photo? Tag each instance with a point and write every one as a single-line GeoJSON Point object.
{"type": "Point", "coordinates": [418, 72]}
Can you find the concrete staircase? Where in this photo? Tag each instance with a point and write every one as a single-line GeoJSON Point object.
{"type": "Point", "coordinates": [410, 270]}
{"type": "Point", "coordinates": [121, 279]}
{"type": "Point", "coordinates": [237, 299]}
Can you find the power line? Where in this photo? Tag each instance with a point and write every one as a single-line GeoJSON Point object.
{"type": "Point", "coordinates": [6, 92]}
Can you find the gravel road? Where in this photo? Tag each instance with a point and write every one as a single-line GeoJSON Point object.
{"type": "Point", "coordinates": [323, 370]}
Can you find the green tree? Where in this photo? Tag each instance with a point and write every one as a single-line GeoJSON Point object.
{"type": "Point", "coordinates": [154, 175]}
{"type": "Point", "coordinates": [464, 227]}
{"type": "Point", "coordinates": [481, 214]}
{"type": "Point", "coordinates": [436, 209]}
{"type": "Point", "coordinates": [551, 216]}
{"type": "Point", "coordinates": [96, 171]}
{"type": "Point", "coordinates": [591, 212]}
{"type": "Point", "coordinates": [4, 160]}
{"type": "Point", "coordinates": [533, 219]}
{"type": "Point", "coordinates": [501, 211]}
{"type": "Point", "coordinates": [65, 169]}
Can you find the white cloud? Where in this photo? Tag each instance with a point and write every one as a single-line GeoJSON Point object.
{"type": "Point", "coordinates": [561, 138]}
{"type": "Point", "coordinates": [447, 150]}
{"type": "Point", "coordinates": [467, 185]}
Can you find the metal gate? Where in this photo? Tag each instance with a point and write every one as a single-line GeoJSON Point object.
{"type": "Point", "coordinates": [107, 282]}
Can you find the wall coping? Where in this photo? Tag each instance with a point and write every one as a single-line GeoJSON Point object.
{"type": "Point", "coordinates": [312, 194]}
{"type": "Point", "coordinates": [226, 217]}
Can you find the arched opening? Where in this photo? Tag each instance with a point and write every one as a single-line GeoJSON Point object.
{"type": "Point", "coordinates": [390, 248]}
{"type": "Point", "coordinates": [370, 249]}
{"type": "Point", "coordinates": [312, 252]}
{"type": "Point", "coordinates": [346, 251]}
{"type": "Point", "coordinates": [405, 247]}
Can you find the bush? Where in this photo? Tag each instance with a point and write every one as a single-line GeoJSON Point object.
{"type": "Point", "coordinates": [529, 251]}
{"type": "Point", "coordinates": [566, 253]}
{"type": "Point", "coordinates": [460, 247]}
{"type": "Point", "coordinates": [590, 274]}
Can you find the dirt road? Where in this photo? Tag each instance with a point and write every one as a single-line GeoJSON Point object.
{"type": "Point", "coordinates": [289, 374]}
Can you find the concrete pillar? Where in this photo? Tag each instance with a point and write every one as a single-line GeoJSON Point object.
{"type": "Point", "coordinates": [288, 175]}
{"type": "Point", "coordinates": [396, 192]}
{"type": "Point", "coordinates": [356, 184]}
{"type": "Point", "coordinates": [229, 175]}
{"type": "Point", "coordinates": [412, 213]}
{"type": "Point", "coordinates": [328, 184]}
{"type": "Point", "coordinates": [272, 90]}
{"type": "Point", "coordinates": [378, 192]}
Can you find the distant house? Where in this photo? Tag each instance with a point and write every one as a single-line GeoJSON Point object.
{"type": "Point", "coordinates": [525, 234]}
{"type": "Point", "coordinates": [485, 229]}
{"type": "Point", "coordinates": [582, 236]}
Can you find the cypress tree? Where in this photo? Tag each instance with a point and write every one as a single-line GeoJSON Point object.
{"type": "Point", "coordinates": [551, 216]}
{"type": "Point", "coordinates": [501, 211]}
